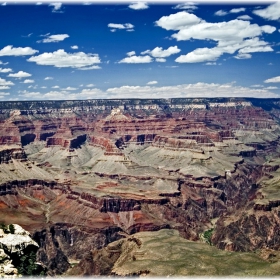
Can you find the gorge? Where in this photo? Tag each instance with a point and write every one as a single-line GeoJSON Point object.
{"type": "Point", "coordinates": [98, 183]}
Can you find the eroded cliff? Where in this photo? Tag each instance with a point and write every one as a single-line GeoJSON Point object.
{"type": "Point", "coordinates": [81, 174]}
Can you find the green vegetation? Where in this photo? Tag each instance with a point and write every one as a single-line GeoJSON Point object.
{"type": "Point", "coordinates": [27, 265]}
{"type": "Point", "coordinates": [7, 228]}
{"type": "Point", "coordinates": [207, 235]}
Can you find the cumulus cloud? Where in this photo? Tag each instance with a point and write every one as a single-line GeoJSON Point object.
{"type": "Point", "coordinates": [94, 67]}
{"type": "Point", "coordinates": [90, 85]}
{"type": "Point", "coordinates": [244, 17]}
{"type": "Point", "coordinates": [136, 59]}
{"type": "Point", "coordinates": [190, 6]}
{"type": "Point", "coordinates": [131, 53]}
{"type": "Point", "coordinates": [48, 78]}
{"type": "Point", "coordinates": [160, 59]}
{"type": "Point", "coordinates": [10, 51]}
{"type": "Point", "coordinates": [64, 94]}
{"type": "Point", "coordinates": [271, 12]}
{"type": "Point", "coordinates": [53, 38]}
{"type": "Point", "coordinates": [20, 74]}
{"type": "Point", "coordinates": [159, 52]}
{"type": "Point", "coordinates": [5, 70]}
{"type": "Point", "coordinates": [4, 83]}
{"type": "Point", "coordinates": [210, 63]}
{"type": "Point", "coordinates": [231, 36]}
{"type": "Point", "coordinates": [200, 55]}
{"type": "Point", "coordinates": [152, 83]}
{"type": "Point", "coordinates": [74, 47]}
{"type": "Point", "coordinates": [221, 13]}
{"type": "Point", "coordinates": [189, 91]}
{"type": "Point", "coordinates": [233, 31]}
{"type": "Point", "coordinates": [273, 80]}
{"type": "Point", "coordinates": [243, 56]}
{"type": "Point", "coordinates": [178, 21]}
{"type": "Point", "coordinates": [61, 59]}
{"type": "Point", "coordinates": [126, 26]}
{"type": "Point", "coordinates": [69, 88]}
{"type": "Point", "coordinates": [56, 7]}
{"type": "Point", "coordinates": [138, 6]}
{"type": "Point", "coordinates": [237, 10]}
{"type": "Point", "coordinates": [3, 87]}
{"type": "Point", "coordinates": [27, 81]}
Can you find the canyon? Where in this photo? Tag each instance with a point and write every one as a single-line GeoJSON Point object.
{"type": "Point", "coordinates": [96, 181]}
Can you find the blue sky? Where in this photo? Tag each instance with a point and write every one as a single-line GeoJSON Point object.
{"type": "Point", "coordinates": [65, 50]}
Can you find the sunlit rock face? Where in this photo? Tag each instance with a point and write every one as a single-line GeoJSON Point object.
{"type": "Point", "coordinates": [79, 175]}
{"type": "Point", "coordinates": [18, 252]}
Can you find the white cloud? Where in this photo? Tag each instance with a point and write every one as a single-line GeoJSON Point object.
{"type": "Point", "coordinates": [237, 10]}
{"type": "Point", "coordinates": [253, 49]}
{"type": "Point", "coordinates": [159, 52]}
{"type": "Point", "coordinates": [55, 87]}
{"type": "Point", "coordinates": [54, 38]}
{"type": "Point", "coordinates": [160, 59]}
{"type": "Point", "coordinates": [189, 91]}
{"type": "Point", "coordinates": [244, 17]}
{"type": "Point", "coordinates": [186, 6]}
{"type": "Point", "coordinates": [271, 88]}
{"type": "Point", "coordinates": [27, 81]}
{"type": "Point", "coordinates": [56, 7]}
{"type": "Point", "coordinates": [272, 12]}
{"type": "Point", "coordinates": [200, 55]}
{"type": "Point", "coordinates": [139, 6]}
{"type": "Point", "coordinates": [210, 63]}
{"type": "Point", "coordinates": [257, 86]}
{"type": "Point", "coordinates": [74, 47]}
{"type": "Point", "coordinates": [221, 13]}
{"type": "Point", "coordinates": [69, 88]}
{"type": "Point", "coordinates": [231, 36]}
{"type": "Point", "coordinates": [5, 70]}
{"type": "Point", "coordinates": [243, 56]}
{"type": "Point", "coordinates": [60, 58]}
{"type": "Point", "coordinates": [136, 59]}
{"type": "Point", "coordinates": [3, 87]}
{"type": "Point", "coordinates": [131, 53]}
{"type": "Point", "coordinates": [90, 67]}
{"type": "Point", "coordinates": [64, 95]}
{"type": "Point", "coordinates": [3, 82]}
{"type": "Point", "coordinates": [48, 78]}
{"type": "Point", "coordinates": [4, 93]}
{"type": "Point", "coordinates": [178, 21]}
{"type": "Point", "coordinates": [231, 31]}
{"type": "Point", "coordinates": [126, 26]}
{"type": "Point", "coordinates": [273, 80]}
{"type": "Point", "coordinates": [10, 51]}
{"type": "Point", "coordinates": [152, 83]}
{"type": "Point", "coordinates": [90, 85]}
{"type": "Point", "coordinates": [20, 74]}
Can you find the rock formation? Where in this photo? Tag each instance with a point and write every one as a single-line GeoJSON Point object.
{"type": "Point", "coordinates": [82, 174]}
{"type": "Point", "coordinates": [18, 252]}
